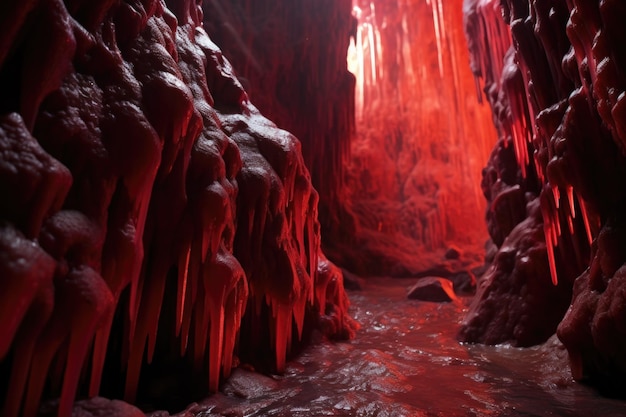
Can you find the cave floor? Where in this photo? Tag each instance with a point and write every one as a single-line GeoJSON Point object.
{"type": "Point", "coordinates": [405, 361]}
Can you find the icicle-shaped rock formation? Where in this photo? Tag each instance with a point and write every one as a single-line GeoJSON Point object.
{"type": "Point", "coordinates": [558, 97]}
{"type": "Point", "coordinates": [145, 199]}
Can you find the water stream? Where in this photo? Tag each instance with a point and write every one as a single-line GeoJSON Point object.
{"type": "Point", "coordinates": [405, 361]}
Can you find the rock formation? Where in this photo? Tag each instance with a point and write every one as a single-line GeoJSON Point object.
{"type": "Point", "coordinates": [149, 212]}
{"type": "Point", "coordinates": [291, 57]}
{"type": "Point", "coordinates": [554, 74]}
{"type": "Point", "coordinates": [155, 224]}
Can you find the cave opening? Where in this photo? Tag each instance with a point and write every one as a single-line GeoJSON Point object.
{"type": "Point", "coordinates": [303, 208]}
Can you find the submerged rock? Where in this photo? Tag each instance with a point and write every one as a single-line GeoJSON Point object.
{"type": "Point", "coordinates": [248, 384]}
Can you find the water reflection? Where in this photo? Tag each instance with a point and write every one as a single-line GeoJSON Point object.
{"type": "Point", "coordinates": [405, 361]}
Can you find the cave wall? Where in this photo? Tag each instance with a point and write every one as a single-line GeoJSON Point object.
{"type": "Point", "coordinates": [291, 56]}
{"type": "Point", "coordinates": [554, 74]}
{"type": "Point", "coordinates": [421, 140]}
{"type": "Point", "coordinates": [150, 213]}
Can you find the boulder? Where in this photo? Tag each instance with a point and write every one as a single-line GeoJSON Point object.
{"type": "Point", "coordinates": [435, 289]}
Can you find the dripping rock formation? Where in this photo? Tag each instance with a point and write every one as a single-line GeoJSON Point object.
{"type": "Point", "coordinates": [151, 217]}
{"type": "Point", "coordinates": [291, 56]}
{"type": "Point", "coordinates": [156, 226]}
{"type": "Point", "coordinates": [554, 74]}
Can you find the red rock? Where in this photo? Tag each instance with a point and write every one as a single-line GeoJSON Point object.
{"type": "Point", "coordinates": [452, 253]}
{"type": "Point", "coordinates": [433, 289]}
{"type": "Point", "coordinates": [145, 200]}
{"type": "Point", "coordinates": [562, 114]}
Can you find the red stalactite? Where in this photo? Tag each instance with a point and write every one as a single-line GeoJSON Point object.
{"type": "Point", "coordinates": [572, 63]}
{"type": "Point", "coordinates": [149, 208]}
{"type": "Point", "coordinates": [527, 111]}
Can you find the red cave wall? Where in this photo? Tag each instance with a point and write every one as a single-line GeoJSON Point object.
{"type": "Point", "coordinates": [558, 97]}
{"type": "Point", "coordinates": [291, 56]}
{"type": "Point", "coordinates": [421, 141]}
{"type": "Point", "coordinates": [149, 210]}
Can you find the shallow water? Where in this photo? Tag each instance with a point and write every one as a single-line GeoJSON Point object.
{"type": "Point", "coordinates": [405, 361]}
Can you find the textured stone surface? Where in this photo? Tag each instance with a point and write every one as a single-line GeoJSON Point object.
{"type": "Point", "coordinates": [149, 210]}
{"type": "Point", "coordinates": [558, 98]}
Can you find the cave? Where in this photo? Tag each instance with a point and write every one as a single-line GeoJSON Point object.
{"type": "Point", "coordinates": [299, 207]}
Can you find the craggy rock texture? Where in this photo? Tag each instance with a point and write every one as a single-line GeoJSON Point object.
{"type": "Point", "coordinates": [148, 208]}
{"type": "Point", "coordinates": [515, 300]}
{"type": "Point", "coordinates": [519, 197]}
{"type": "Point", "coordinates": [559, 104]}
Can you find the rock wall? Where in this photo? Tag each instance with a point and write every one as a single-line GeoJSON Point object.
{"type": "Point", "coordinates": [558, 98]}
{"type": "Point", "coordinates": [291, 56]}
{"type": "Point", "coordinates": [421, 140]}
{"type": "Point", "coordinates": [149, 210]}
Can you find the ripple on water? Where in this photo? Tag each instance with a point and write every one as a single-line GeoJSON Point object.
{"type": "Point", "coordinates": [405, 361]}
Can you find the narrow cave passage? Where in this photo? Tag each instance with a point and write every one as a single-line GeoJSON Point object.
{"type": "Point", "coordinates": [205, 204]}
{"type": "Point", "coordinates": [412, 185]}
{"type": "Point", "coordinates": [395, 148]}
{"type": "Point", "coordinates": [421, 140]}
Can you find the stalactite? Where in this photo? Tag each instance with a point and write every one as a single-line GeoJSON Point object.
{"type": "Point", "coordinates": [573, 82]}
{"type": "Point", "coordinates": [529, 102]}
{"type": "Point", "coordinates": [138, 165]}
{"type": "Point", "coordinates": [439, 31]}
